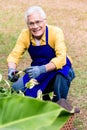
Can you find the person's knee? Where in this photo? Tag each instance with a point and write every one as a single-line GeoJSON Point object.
{"type": "Point", "coordinates": [18, 85]}
{"type": "Point", "coordinates": [71, 74]}
{"type": "Point", "coordinates": [61, 87]}
{"type": "Point", "coordinates": [14, 86]}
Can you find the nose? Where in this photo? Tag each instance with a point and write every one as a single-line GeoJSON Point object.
{"type": "Point", "coordinates": [35, 25]}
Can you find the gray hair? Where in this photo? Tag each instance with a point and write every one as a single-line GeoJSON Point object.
{"type": "Point", "coordinates": [34, 9]}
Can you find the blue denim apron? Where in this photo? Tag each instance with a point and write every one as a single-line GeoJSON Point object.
{"type": "Point", "coordinates": [42, 55]}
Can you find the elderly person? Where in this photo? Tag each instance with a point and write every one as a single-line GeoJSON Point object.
{"type": "Point", "coordinates": [50, 66]}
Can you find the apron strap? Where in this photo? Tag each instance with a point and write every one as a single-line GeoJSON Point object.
{"type": "Point", "coordinates": [46, 35]}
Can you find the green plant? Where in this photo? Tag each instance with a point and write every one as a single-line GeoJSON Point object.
{"type": "Point", "coordinates": [28, 113]}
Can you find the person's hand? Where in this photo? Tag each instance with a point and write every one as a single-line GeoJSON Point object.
{"type": "Point", "coordinates": [35, 71]}
{"type": "Point", "coordinates": [12, 76]}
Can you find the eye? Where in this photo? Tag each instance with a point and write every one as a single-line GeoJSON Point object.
{"type": "Point", "coordinates": [31, 23]}
{"type": "Point", "coordinates": [37, 22]}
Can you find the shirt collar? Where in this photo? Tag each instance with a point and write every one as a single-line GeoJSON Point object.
{"type": "Point", "coordinates": [43, 38]}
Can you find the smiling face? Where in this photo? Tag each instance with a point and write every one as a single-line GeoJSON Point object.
{"type": "Point", "coordinates": [37, 24]}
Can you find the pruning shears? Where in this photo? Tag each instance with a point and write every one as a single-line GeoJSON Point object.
{"type": "Point", "coordinates": [32, 81]}
{"type": "Point", "coordinates": [21, 71]}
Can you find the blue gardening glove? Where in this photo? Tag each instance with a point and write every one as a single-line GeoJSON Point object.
{"type": "Point", "coordinates": [12, 75]}
{"type": "Point", "coordinates": [35, 71]}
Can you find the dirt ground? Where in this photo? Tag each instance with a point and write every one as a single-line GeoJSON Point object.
{"type": "Point", "coordinates": [71, 16]}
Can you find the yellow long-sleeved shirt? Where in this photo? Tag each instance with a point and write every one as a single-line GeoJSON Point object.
{"type": "Point", "coordinates": [55, 40]}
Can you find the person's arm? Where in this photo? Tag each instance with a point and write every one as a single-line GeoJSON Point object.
{"type": "Point", "coordinates": [19, 49]}
{"type": "Point", "coordinates": [12, 65]}
{"type": "Point", "coordinates": [15, 55]}
{"type": "Point", "coordinates": [58, 44]}
{"type": "Point", "coordinates": [50, 66]}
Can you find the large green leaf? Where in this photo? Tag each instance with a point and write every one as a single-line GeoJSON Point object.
{"type": "Point", "coordinates": [24, 113]}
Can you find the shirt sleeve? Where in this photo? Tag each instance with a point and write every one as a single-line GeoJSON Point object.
{"type": "Point", "coordinates": [20, 47]}
{"type": "Point", "coordinates": [60, 48]}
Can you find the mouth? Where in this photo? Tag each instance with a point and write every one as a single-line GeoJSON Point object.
{"type": "Point", "coordinates": [37, 33]}
{"type": "Point", "coordinates": [36, 30]}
